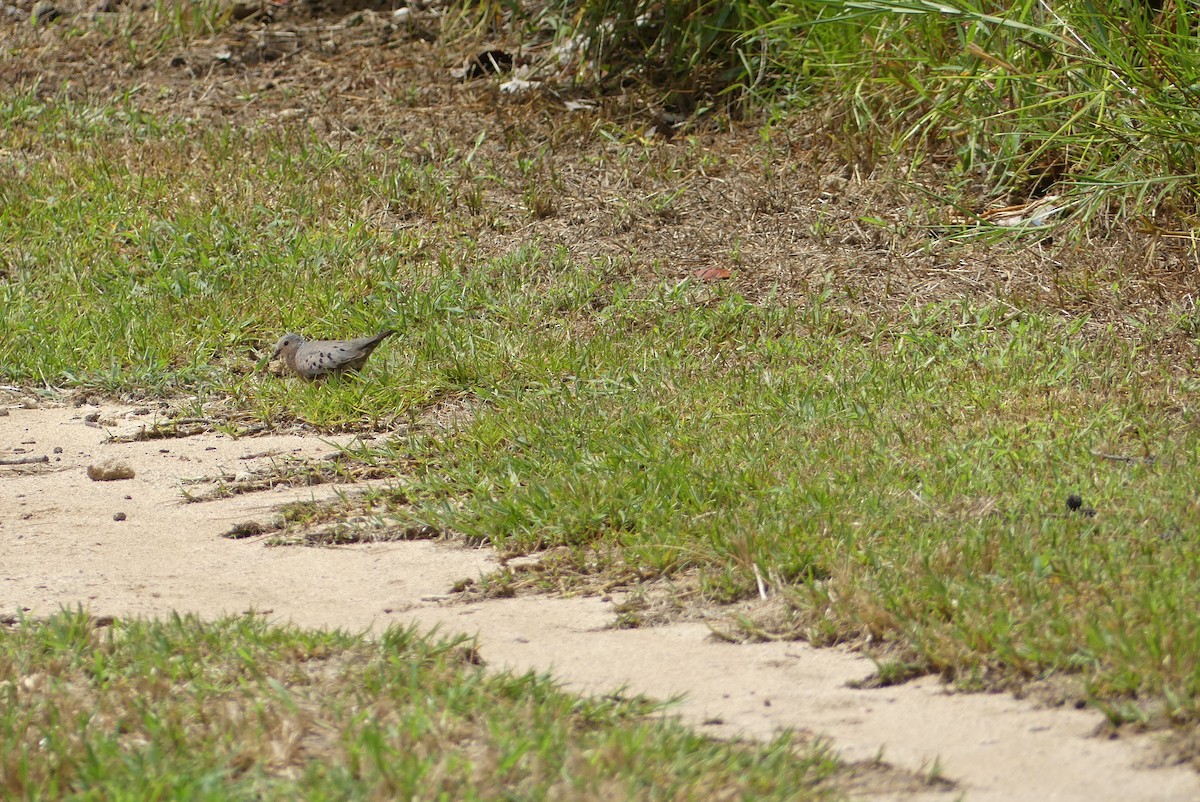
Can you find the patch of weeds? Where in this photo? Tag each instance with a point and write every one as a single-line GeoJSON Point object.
{"type": "Point", "coordinates": [666, 205]}
{"type": "Point", "coordinates": [176, 428]}
{"type": "Point", "coordinates": [635, 611]}
{"type": "Point", "coordinates": [356, 519]}
{"type": "Point", "coordinates": [502, 584]}
{"type": "Point", "coordinates": [628, 619]}
{"type": "Point", "coordinates": [890, 672]}
{"type": "Point", "coordinates": [540, 201]}
{"type": "Point", "coordinates": [876, 778]}
{"type": "Point", "coordinates": [282, 713]}
{"type": "Point", "coordinates": [419, 189]}
{"type": "Point", "coordinates": [247, 529]}
{"type": "Point", "coordinates": [462, 585]}
{"type": "Point", "coordinates": [355, 529]}
{"type": "Point", "coordinates": [341, 469]}
{"type": "Point", "coordinates": [307, 513]}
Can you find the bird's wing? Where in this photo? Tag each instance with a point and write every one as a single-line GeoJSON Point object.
{"type": "Point", "coordinates": [323, 356]}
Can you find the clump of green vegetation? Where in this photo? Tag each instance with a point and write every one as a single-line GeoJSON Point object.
{"type": "Point", "coordinates": [1094, 101]}
{"type": "Point", "coordinates": [238, 709]}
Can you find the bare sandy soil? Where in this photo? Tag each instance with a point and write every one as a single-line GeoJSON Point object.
{"type": "Point", "coordinates": [61, 546]}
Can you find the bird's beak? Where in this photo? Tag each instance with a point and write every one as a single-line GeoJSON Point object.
{"type": "Point", "coordinates": [274, 354]}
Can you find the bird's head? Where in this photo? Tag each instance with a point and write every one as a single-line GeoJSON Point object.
{"type": "Point", "coordinates": [287, 341]}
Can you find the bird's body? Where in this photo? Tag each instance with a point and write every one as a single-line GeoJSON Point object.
{"type": "Point", "coordinates": [313, 359]}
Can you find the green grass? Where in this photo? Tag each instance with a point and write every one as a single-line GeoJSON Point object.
{"type": "Point", "coordinates": [897, 475]}
{"type": "Point", "coordinates": [165, 260]}
{"type": "Point", "coordinates": [903, 477]}
{"type": "Point", "coordinates": [237, 709]}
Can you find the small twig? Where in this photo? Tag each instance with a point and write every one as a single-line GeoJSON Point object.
{"type": "Point", "coordinates": [274, 452]}
{"type": "Point", "coordinates": [1123, 458]}
{"type": "Point", "coordinates": [762, 585]}
{"type": "Point", "coordinates": [23, 460]}
{"type": "Point", "coordinates": [168, 429]}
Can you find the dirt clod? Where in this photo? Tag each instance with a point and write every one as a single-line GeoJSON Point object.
{"type": "Point", "coordinates": [109, 470]}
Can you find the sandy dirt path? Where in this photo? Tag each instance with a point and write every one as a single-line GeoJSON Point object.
{"type": "Point", "coordinates": [60, 545]}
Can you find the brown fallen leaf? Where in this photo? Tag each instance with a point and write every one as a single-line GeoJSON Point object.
{"type": "Point", "coordinates": [712, 273]}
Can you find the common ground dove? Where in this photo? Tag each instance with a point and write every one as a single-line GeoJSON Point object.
{"type": "Point", "coordinates": [317, 358]}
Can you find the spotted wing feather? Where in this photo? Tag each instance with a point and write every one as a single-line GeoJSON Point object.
{"type": "Point", "coordinates": [323, 357]}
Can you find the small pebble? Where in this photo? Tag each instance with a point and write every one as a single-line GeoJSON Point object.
{"type": "Point", "coordinates": [119, 516]}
